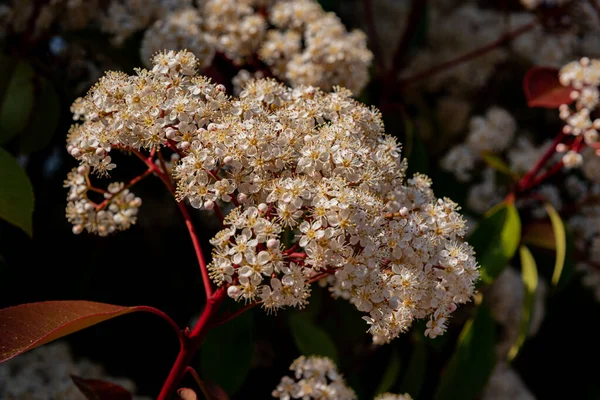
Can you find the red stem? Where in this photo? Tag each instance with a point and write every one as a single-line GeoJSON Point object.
{"type": "Point", "coordinates": [132, 182]}
{"type": "Point", "coordinates": [525, 182]}
{"type": "Point", "coordinates": [164, 316]}
{"type": "Point", "coordinates": [468, 56]}
{"type": "Point", "coordinates": [550, 172]}
{"type": "Point", "coordinates": [229, 317]}
{"type": "Point", "coordinates": [191, 344]}
{"type": "Point", "coordinates": [194, 375]}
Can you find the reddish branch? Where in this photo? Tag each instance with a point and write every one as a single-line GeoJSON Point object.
{"type": "Point", "coordinates": [525, 182]}
{"type": "Point", "coordinates": [132, 182]}
{"type": "Point", "coordinates": [507, 37]}
{"type": "Point", "coordinates": [191, 344]}
{"type": "Point", "coordinates": [164, 316]}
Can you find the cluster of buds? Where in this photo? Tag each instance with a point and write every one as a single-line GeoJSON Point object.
{"type": "Point", "coordinates": [584, 77]}
{"type": "Point", "coordinates": [117, 212]}
{"type": "Point", "coordinates": [319, 191]}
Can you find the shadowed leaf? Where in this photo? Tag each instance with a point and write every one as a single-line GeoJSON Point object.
{"type": "Point", "coordinates": [226, 353]}
{"type": "Point", "coordinates": [310, 338]}
{"type": "Point", "coordinates": [473, 361]}
{"type": "Point", "coordinates": [95, 389]}
{"type": "Point", "coordinates": [496, 239]}
{"type": "Point", "coordinates": [16, 193]}
{"type": "Point", "coordinates": [17, 104]}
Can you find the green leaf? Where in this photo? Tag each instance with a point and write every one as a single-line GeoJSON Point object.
{"type": "Point", "coordinates": [473, 361]}
{"type": "Point", "coordinates": [493, 161]}
{"type": "Point", "coordinates": [226, 353]}
{"type": "Point", "coordinates": [413, 378]}
{"type": "Point", "coordinates": [560, 237]}
{"type": "Point", "coordinates": [16, 193]}
{"type": "Point", "coordinates": [529, 275]}
{"type": "Point", "coordinates": [390, 376]}
{"type": "Point", "coordinates": [17, 104]}
{"type": "Point", "coordinates": [496, 239]}
{"type": "Point", "coordinates": [310, 338]}
{"type": "Point", "coordinates": [40, 129]}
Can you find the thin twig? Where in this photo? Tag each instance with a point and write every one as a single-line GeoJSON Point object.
{"type": "Point", "coordinates": [468, 56]}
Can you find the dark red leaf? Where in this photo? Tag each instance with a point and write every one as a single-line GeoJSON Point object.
{"type": "Point", "coordinates": [543, 89]}
{"type": "Point", "coordinates": [27, 326]}
{"type": "Point", "coordinates": [95, 389]}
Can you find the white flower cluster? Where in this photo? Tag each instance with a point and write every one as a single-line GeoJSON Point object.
{"type": "Point", "coordinates": [181, 29]}
{"type": "Point", "coordinates": [119, 211]}
{"type": "Point", "coordinates": [311, 47]}
{"type": "Point", "coordinates": [584, 77]}
{"type": "Point", "coordinates": [493, 132]}
{"type": "Point", "coordinates": [317, 377]}
{"type": "Point", "coordinates": [296, 163]}
{"type": "Point", "coordinates": [44, 374]}
{"type": "Point", "coordinates": [123, 18]}
{"type": "Point", "coordinates": [301, 43]}
{"type": "Point", "coordinates": [314, 378]}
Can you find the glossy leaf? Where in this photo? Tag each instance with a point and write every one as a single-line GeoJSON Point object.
{"type": "Point", "coordinates": [390, 376]}
{"type": "Point", "coordinates": [226, 353]}
{"type": "Point", "coordinates": [38, 133]}
{"type": "Point", "coordinates": [473, 360]}
{"type": "Point", "coordinates": [95, 389]}
{"type": "Point", "coordinates": [496, 239]}
{"type": "Point", "coordinates": [27, 326]}
{"type": "Point", "coordinates": [543, 89]}
{"type": "Point", "coordinates": [310, 338]}
{"type": "Point", "coordinates": [16, 193]}
{"type": "Point", "coordinates": [529, 275]}
{"type": "Point", "coordinates": [17, 104]}
{"type": "Point", "coordinates": [560, 238]}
